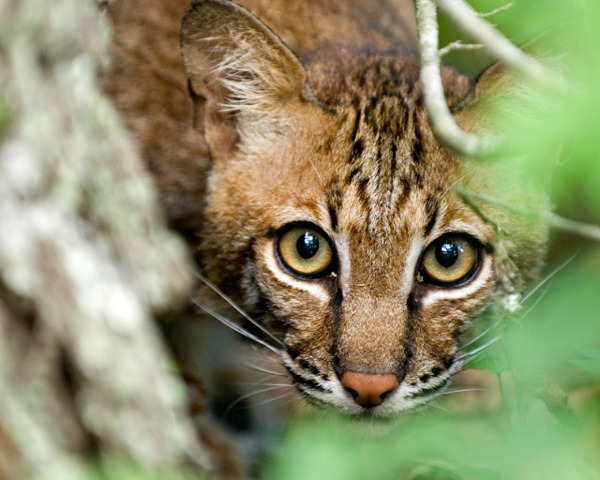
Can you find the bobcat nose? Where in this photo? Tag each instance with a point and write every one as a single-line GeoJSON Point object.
{"type": "Point", "coordinates": [369, 390]}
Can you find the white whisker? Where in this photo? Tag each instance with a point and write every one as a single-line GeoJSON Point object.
{"type": "Point", "coordinates": [469, 355]}
{"type": "Point", "coordinates": [484, 333]}
{"type": "Point", "coordinates": [472, 358]}
{"type": "Point", "coordinates": [236, 328]}
{"type": "Point", "coordinates": [252, 394]}
{"type": "Point", "coordinates": [541, 285]}
{"type": "Point", "coordinates": [233, 304]}
{"type": "Point", "coordinates": [451, 187]}
{"type": "Point", "coordinates": [451, 391]}
{"type": "Point", "coordinates": [267, 355]}
{"type": "Point", "coordinates": [262, 382]}
{"type": "Point", "coordinates": [264, 370]}
{"type": "Point", "coordinates": [316, 171]}
{"type": "Point", "coordinates": [274, 399]}
{"type": "Point", "coordinates": [439, 407]}
{"type": "Point", "coordinates": [291, 398]}
{"type": "Point", "coordinates": [255, 384]}
{"type": "Point", "coordinates": [536, 302]}
{"type": "Point", "coordinates": [548, 277]}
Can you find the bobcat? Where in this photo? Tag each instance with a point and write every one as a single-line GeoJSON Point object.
{"type": "Point", "coordinates": [292, 149]}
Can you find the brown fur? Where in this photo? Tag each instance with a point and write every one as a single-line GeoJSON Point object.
{"type": "Point", "coordinates": [322, 121]}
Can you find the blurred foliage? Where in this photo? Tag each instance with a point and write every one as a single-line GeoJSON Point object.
{"type": "Point", "coordinates": [546, 366]}
{"type": "Point", "coordinates": [118, 469]}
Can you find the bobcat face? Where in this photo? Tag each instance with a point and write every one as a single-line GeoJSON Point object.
{"type": "Point", "coordinates": [331, 212]}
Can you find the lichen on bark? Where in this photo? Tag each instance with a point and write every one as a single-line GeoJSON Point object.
{"type": "Point", "coordinates": [85, 263]}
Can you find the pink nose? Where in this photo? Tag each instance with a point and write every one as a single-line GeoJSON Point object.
{"type": "Point", "coordinates": [369, 390]}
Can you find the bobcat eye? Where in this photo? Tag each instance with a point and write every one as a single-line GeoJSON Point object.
{"type": "Point", "coordinates": [305, 251]}
{"type": "Point", "coordinates": [450, 260]}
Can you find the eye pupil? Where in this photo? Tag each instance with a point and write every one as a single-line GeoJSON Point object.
{"type": "Point", "coordinates": [307, 245]}
{"type": "Point", "coordinates": [447, 254]}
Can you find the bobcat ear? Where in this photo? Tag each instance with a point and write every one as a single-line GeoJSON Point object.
{"type": "Point", "coordinates": [240, 74]}
{"type": "Point", "coordinates": [488, 88]}
{"type": "Point", "coordinates": [491, 79]}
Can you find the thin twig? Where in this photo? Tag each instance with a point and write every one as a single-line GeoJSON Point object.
{"type": "Point", "coordinates": [584, 230]}
{"type": "Point", "coordinates": [468, 199]}
{"type": "Point", "coordinates": [457, 46]}
{"type": "Point", "coordinates": [441, 119]}
{"type": "Point", "coordinates": [497, 44]}
{"type": "Point", "coordinates": [496, 10]}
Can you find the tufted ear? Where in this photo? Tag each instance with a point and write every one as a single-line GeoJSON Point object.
{"type": "Point", "coordinates": [240, 75]}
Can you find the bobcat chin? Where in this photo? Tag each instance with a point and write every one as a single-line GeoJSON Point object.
{"type": "Point", "coordinates": [306, 177]}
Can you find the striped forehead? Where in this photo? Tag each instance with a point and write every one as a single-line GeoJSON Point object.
{"type": "Point", "coordinates": [389, 161]}
{"type": "Point", "coordinates": [389, 170]}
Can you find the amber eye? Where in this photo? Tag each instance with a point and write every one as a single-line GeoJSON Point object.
{"type": "Point", "coordinates": [305, 251]}
{"type": "Point", "coordinates": [450, 259]}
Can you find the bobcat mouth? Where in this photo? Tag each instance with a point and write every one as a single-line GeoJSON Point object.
{"type": "Point", "coordinates": [431, 392]}
{"type": "Point", "coordinates": [324, 392]}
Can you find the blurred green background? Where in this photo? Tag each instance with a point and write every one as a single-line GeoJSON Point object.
{"type": "Point", "coordinates": [538, 414]}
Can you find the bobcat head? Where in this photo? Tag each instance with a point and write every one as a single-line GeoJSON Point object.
{"type": "Point", "coordinates": [331, 213]}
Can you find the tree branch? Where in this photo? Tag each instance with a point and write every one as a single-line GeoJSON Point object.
{"type": "Point", "coordinates": [494, 42]}
{"type": "Point", "coordinates": [442, 121]}
{"type": "Point", "coordinates": [497, 44]}
{"type": "Point", "coordinates": [584, 230]}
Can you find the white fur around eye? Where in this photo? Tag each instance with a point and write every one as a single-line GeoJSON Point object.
{"type": "Point", "coordinates": [482, 280]}
{"type": "Point", "coordinates": [314, 288]}
{"type": "Point", "coordinates": [340, 240]}
{"type": "Point", "coordinates": [412, 260]}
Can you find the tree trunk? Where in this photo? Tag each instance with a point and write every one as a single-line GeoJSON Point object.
{"type": "Point", "coordinates": [85, 262]}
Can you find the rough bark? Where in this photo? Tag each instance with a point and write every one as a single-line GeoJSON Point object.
{"type": "Point", "coordinates": [85, 261]}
